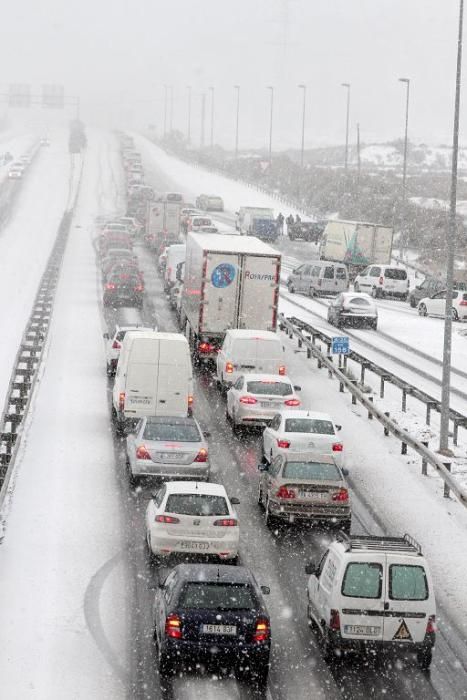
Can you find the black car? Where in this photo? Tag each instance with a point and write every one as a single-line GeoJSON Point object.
{"type": "Point", "coordinates": [206, 613]}
{"type": "Point", "coordinates": [310, 231]}
{"type": "Point", "coordinates": [123, 289]}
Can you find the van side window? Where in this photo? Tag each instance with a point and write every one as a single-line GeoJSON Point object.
{"type": "Point", "coordinates": [328, 273]}
{"type": "Point", "coordinates": [362, 580]}
{"type": "Point", "coordinates": [407, 582]}
{"type": "Point", "coordinates": [341, 273]}
{"type": "Point", "coordinates": [375, 272]}
{"type": "Point", "coordinates": [315, 271]}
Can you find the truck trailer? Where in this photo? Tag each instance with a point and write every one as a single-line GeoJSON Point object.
{"type": "Point", "coordinates": [356, 243]}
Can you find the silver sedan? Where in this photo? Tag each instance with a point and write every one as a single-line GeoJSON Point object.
{"type": "Point", "coordinates": [255, 399]}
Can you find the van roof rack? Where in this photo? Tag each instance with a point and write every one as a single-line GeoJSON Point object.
{"type": "Point", "coordinates": [405, 544]}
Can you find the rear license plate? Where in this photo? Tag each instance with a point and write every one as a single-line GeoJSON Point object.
{"type": "Point", "coordinates": [362, 630]}
{"type": "Point", "coordinates": [169, 456]}
{"type": "Point", "coordinates": [313, 495]}
{"type": "Point", "coordinates": [219, 629]}
{"type": "Point", "coordinates": [198, 546]}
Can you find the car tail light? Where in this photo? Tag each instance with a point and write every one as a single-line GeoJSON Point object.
{"type": "Point", "coordinates": [337, 447]}
{"type": "Point", "coordinates": [341, 495]}
{"type": "Point", "coordinates": [381, 280]}
{"type": "Point", "coordinates": [282, 370]}
{"type": "Point", "coordinates": [286, 493]}
{"type": "Point", "coordinates": [190, 404]}
{"type": "Point", "coordinates": [121, 400]}
{"type": "Point", "coordinates": [202, 455]}
{"type": "Point", "coordinates": [226, 522]}
{"type": "Point", "coordinates": [142, 452]}
{"type": "Point", "coordinates": [248, 399]}
{"type": "Point", "coordinates": [463, 302]}
{"type": "Point", "coordinates": [206, 347]}
{"type": "Point", "coordinates": [173, 626]}
{"type": "Point", "coordinates": [334, 621]}
{"type": "Point", "coordinates": [292, 402]}
{"type": "Point", "coordinates": [139, 288]}
{"type": "Point", "coordinates": [431, 625]}
{"type": "Point", "coordinates": [285, 444]}
{"type": "Point", "coordinates": [229, 368]}
{"type": "Point", "coordinates": [110, 286]}
{"type": "Point", "coordinates": [262, 630]}
{"type": "Point", "coordinates": [116, 345]}
{"type": "Point", "coordinates": [168, 519]}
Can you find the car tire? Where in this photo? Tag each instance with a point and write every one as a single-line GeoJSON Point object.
{"type": "Point", "coordinates": [424, 658]}
{"type": "Point", "coordinates": [291, 288]}
{"type": "Point", "coordinates": [413, 302]}
{"type": "Point", "coordinates": [422, 310]}
{"type": "Point", "coordinates": [269, 519]}
{"type": "Point", "coordinates": [454, 314]}
{"type": "Point", "coordinates": [311, 292]}
{"type": "Point", "coordinates": [132, 479]}
{"type": "Point", "coordinates": [326, 645]}
{"type": "Point", "coordinates": [165, 665]}
{"type": "Point", "coordinates": [356, 288]}
{"type": "Point", "coordinates": [404, 297]}
{"type": "Point", "coordinates": [110, 370]}
{"type": "Point", "coordinates": [228, 417]}
{"type": "Point", "coordinates": [345, 526]}
{"type": "Point", "coordinates": [374, 325]}
{"type": "Point", "coordinates": [260, 496]}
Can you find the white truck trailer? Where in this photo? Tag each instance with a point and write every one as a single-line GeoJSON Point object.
{"type": "Point", "coordinates": [356, 243]}
{"type": "Point", "coordinates": [162, 224]}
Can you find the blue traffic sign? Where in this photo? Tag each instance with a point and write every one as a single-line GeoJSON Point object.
{"type": "Point", "coordinates": [340, 345]}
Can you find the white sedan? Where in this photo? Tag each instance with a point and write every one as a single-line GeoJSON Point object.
{"type": "Point", "coordinates": [192, 518]}
{"type": "Point", "coordinates": [255, 399]}
{"type": "Point", "coordinates": [303, 431]}
{"type": "Point", "coordinates": [436, 305]}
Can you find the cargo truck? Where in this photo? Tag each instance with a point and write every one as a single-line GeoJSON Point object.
{"type": "Point", "coordinates": [162, 224]}
{"type": "Point", "coordinates": [356, 243]}
{"type": "Point", "coordinates": [263, 226]}
{"type": "Point", "coordinates": [245, 214]}
{"type": "Point", "coordinates": [229, 282]}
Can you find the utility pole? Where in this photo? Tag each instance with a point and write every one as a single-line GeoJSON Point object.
{"type": "Point", "coordinates": [270, 87]}
{"type": "Point", "coordinates": [188, 131]}
{"type": "Point", "coordinates": [237, 88]}
{"type": "Point", "coordinates": [212, 117]}
{"type": "Point", "coordinates": [347, 124]}
{"type": "Point", "coordinates": [203, 114]}
{"type": "Point", "coordinates": [403, 218]}
{"type": "Point", "coordinates": [359, 162]}
{"type": "Point", "coordinates": [165, 110]}
{"type": "Point", "coordinates": [302, 150]}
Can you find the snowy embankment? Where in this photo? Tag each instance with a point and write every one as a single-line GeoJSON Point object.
{"type": "Point", "coordinates": [62, 594]}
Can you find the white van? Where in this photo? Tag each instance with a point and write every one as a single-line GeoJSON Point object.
{"type": "Point", "coordinates": [247, 352]}
{"type": "Point", "coordinates": [319, 277]}
{"type": "Point", "coordinates": [175, 255]}
{"type": "Point", "coordinates": [154, 377]}
{"type": "Point", "coordinates": [383, 280]}
{"type": "Point", "coordinates": [368, 593]}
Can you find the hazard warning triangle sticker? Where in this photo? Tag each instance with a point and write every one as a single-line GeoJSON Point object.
{"type": "Point", "coordinates": [403, 633]}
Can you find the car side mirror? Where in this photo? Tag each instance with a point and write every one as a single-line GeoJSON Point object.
{"type": "Point", "coordinates": [311, 569]}
{"type": "Point", "coordinates": [265, 589]}
{"type": "Point", "coordinates": [297, 388]}
{"type": "Point", "coordinates": [338, 427]}
{"type": "Point", "coordinates": [106, 336]}
{"type": "Point", "coordinates": [235, 501]}
{"type": "Point", "coordinates": [263, 467]}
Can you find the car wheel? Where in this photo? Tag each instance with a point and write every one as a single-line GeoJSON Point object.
{"type": "Point", "coordinates": [268, 518]}
{"type": "Point", "coordinates": [413, 302]}
{"type": "Point", "coordinates": [228, 417]}
{"type": "Point", "coordinates": [422, 310]}
{"type": "Point", "coordinates": [327, 647]}
{"type": "Point", "coordinates": [345, 526]}
{"type": "Point", "coordinates": [375, 293]}
{"type": "Point", "coordinates": [291, 288]}
{"type": "Point", "coordinates": [356, 288]}
{"type": "Point", "coordinates": [311, 620]}
{"type": "Point", "coordinates": [424, 658]}
{"type": "Point", "coordinates": [311, 292]}
{"type": "Point", "coordinates": [454, 314]}
{"type": "Point", "coordinates": [374, 325]}
{"type": "Point", "coordinates": [404, 297]}
{"type": "Point", "coordinates": [165, 664]}
{"type": "Point", "coordinates": [132, 479]}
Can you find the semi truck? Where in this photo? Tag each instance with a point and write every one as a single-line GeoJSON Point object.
{"type": "Point", "coordinates": [229, 282]}
{"type": "Point", "coordinates": [162, 224]}
{"type": "Point", "coordinates": [356, 243]}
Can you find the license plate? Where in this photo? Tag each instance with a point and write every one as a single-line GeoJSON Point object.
{"type": "Point", "coordinates": [366, 630]}
{"type": "Point", "coordinates": [313, 495]}
{"type": "Point", "coordinates": [219, 629]}
{"type": "Point", "coordinates": [169, 456]}
{"type": "Point", "coordinates": [198, 546]}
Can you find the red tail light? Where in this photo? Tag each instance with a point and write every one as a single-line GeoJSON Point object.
{"type": "Point", "coordinates": [292, 402]}
{"type": "Point", "coordinates": [431, 625]}
{"type": "Point", "coordinates": [229, 368]}
{"type": "Point", "coordinates": [262, 630]}
{"type": "Point", "coordinates": [286, 493]}
{"type": "Point", "coordinates": [121, 400]}
{"type": "Point", "coordinates": [341, 495]}
{"type": "Point", "coordinates": [226, 522]}
{"type": "Point", "coordinates": [202, 455]}
{"type": "Point", "coordinates": [381, 280]}
{"type": "Point", "coordinates": [110, 286]}
{"type": "Point", "coordinates": [285, 444]}
{"type": "Point", "coordinates": [173, 626]}
{"type": "Point", "coordinates": [282, 370]}
{"type": "Point", "coordinates": [463, 303]}
{"type": "Point", "coordinates": [142, 453]}
{"type": "Point", "coordinates": [139, 288]}
{"type": "Point", "coordinates": [248, 399]}
{"type": "Point", "coordinates": [337, 447]}
{"type": "Point", "coordinates": [116, 345]}
{"type": "Point", "coordinates": [335, 621]}
{"type": "Point", "coordinates": [168, 519]}
{"type": "Point", "coordinates": [206, 347]}
{"type": "Point", "coordinates": [190, 404]}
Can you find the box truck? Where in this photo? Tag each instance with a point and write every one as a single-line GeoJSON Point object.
{"type": "Point", "coordinates": [244, 214]}
{"type": "Point", "coordinates": [356, 243]}
{"type": "Point", "coordinates": [162, 224]}
{"type": "Point", "coordinates": [230, 282]}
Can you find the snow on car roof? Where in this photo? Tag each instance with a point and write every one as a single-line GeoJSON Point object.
{"type": "Point", "coordinates": [208, 489]}
{"type": "Point", "coordinates": [232, 243]}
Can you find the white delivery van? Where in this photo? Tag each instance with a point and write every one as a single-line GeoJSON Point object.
{"type": "Point", "coordinates": [175, 255]}
{"type": "Point", "coordinates": [154, 377]}
{"type": "Point", "coordinates": [369, 593]}
{"type": "Point", "coordinates": [247, 352]}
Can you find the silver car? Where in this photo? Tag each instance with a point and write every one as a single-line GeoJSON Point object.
{"type": "Point", "coordinates": [255, 399]}
{"type": "Point", "coordinates": [167, 448]}
{"type": "Point", "coordinates": [354, 309]}
{"type": "Point", "coordinates": [304, 486]}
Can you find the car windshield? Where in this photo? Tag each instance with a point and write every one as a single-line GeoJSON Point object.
{"type": "Point", "coordinates": [394, 273]}
{"type": "Point", "coordinates": [196, 504]}
{"type": "Point", "coordinates": [180, 432]}
{"type": "Point", "coordinates": [315, 471]}
{"type": "Point", "coordinates": [217, 596]}
{"type": "Point", "coordinates": [269, 388]}
{"type": "Point", "coordinates": [309, 425]}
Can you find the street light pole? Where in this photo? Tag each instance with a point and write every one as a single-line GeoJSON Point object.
{"type": "Point", "coordinates": [212, 117]}
{"type": "Point", "coordinates": [165, 109]}
{"type": "Point", "coordinates": [270, 87]}
{"type": "Point", "coordinates": [302, 151]}
{"type": "Point", "coordinates": [451, 244]}
{"type": "Point", "coordinates": [404, 236]}
{"type": "Point", "coordinates": [347, 124]}
{"type": "Point", "coordinates": [203, 113]}
{"type": "Point", "coordinates": [237, 88]}
{"type": "Point", "coordinates": [171, 107]}
{"type": "Point", "coordinates": [188, 131]}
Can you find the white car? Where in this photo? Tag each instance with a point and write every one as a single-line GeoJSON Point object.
{"type": "Point", "coordinates": [192, 518]}
{"type": "Point", "coordinates": [16, 171]}
{"type": "Point", "coordinates": [197, 222]}
{"type": "Point", "coordinates": [255, 399]}
{"type": "Point", "coordinates": [114, 345]}
{"type": "Point", "coordinates": [303, 431]}
{"type": "Point", "coordinates": [436, 305]}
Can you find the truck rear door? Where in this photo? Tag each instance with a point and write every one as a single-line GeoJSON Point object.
{"type": "Point", "coordinates": [172, 219]}
{"type": "Point", "coordinates": [219, 296]}
{"type": "Point", "coordinates": [259, 292]}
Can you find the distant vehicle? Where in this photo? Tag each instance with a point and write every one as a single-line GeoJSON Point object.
{"type": "Point", "coordinates": [249, 351]}
{"type": "Point", "coordinates": [255, 399]}
{"type": "Point", "coordinates": [112, 241]}
{"type": "Point", "coordinates": [436, 305]}
{"type": "Point", "coordinates": [16, 171]}
{"type": "Point", "coordinates": [357, 244]}
{"type": "Point", "coordinates": [115, 256]}
{"type": "Point", "coordinates": [175, 255]}
{"type": "Point", "coordinates": [310, 231]}
{"type": "Point", "coordinates": [429, 287]}
{"type": "Point", "coordinates": [213, 613]}
{"type": "Point", "coordinates": [124, 290]}
{"type": "Point", "coordinates": [263, 225]}
{"type": "Point", "coordinates": [353, 309]}
{"type": "Point", "coordinates": [196, 222]}
{"type": "Point", "coordinates": [383, 280]}
{"type": "Point", "coordinates": [44, 141]}
{"type": "Point", "coordinates": [187, 517]}
{"type": "Point", "coordinates": [126, 266]}
{"type": "Point", "coordinates": [319, 277]}
{"type": "Point", "coordinates": [132, 224]}
{"type": "Point", "coordinates": [261, 212]}
{"type": "Point", "coordinates": [162, 223]}
{"type": "Point", "coordinates": [185, 215]}
{"type": "Point", "coordinates": [26, 159]}
{"type": "Point", "coordinates": [208, 229]}
{"type": "Point", "coordinates": [114, 345]}
{"type": "Point", "coordinates": [171, 197]}
{"type": "Point", "coordinates": [209, 202]}
{"type": "Point", "coordinates": [304, 486]}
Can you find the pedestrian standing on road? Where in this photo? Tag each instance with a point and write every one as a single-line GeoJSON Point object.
{"type": "Point", "coordinates": [298, 219]}
{"type": "Point", "coordinates": [280, 224]}
{"type": "Point", "coordinates": [290, 222]}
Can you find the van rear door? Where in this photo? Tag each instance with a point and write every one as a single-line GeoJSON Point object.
{"type": "Point", "coordinates": [141, 378]}
{"type": "Point", "coordinates": [174, 379]}
{"type": "Point", "coordinates": [408, 600]}
{"type": "Point", "coordinates": [219, 298]}
{"type": "Point", "coordinates": [259, 292]}
{"type": "Point", "coordinates": [362, 598]}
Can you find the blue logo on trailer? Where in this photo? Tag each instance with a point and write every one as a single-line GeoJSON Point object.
{"type": "Point", "coordinates": [340, 345]}
{"type": "Point", "coordinates": [223, 275]}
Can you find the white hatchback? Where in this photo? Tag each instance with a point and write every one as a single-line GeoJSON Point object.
{"type": "Point", "coordinates": [303, 431]}
{"type": "Point", "coordinates": [255, 399]}
{"type": "Point", "coordinates": [192, 518]}
{"type": "Point", "coordinates": [436, 305]}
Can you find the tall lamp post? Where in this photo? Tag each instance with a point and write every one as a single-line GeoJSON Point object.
{"type": "Point", "coordinates": [347, 124]}
{"type": "Point", "coordinates": [171, 107]}
{"type": "Point", "coordinates": [237, 88]}
{"type": "Point", "coordinates": [165, 109]}
{"type": "Point", "coordinates": [188, 131]}
{"type": "Point", "coordinates": [302, 150]}
{"type": "Point", "coordinates": [211, 89]}
{"type": "Point", "coordinates": [271, 89]}
{"type": "Point", "coordinates": [451, 244]}
{"type": "Point", "coordinates": [404, 236]}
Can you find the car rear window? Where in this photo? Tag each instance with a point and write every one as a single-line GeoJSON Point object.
{"type": "Point", "coordinates": [196, 504]}
{"type": "Point", "coordinates": [395, 273]}
{"type": "Point", "coordinates": [121, 278]}
{"type": "Point", "coordinates": [316, 471]}
{"type": "Point", "coordinates": [217, 596]}
{"type": "Point", "coordinates": [202, 222]}
{"type": "Point", "coordinates": [179, 432]}
{"type": "Point", "coordinates": [363, 580]}
{"type": "Point", "coordinates": [358, 301]}
{"type": "Point", "coordinates": [266, 388]}
{"type": "Point", "coordinates": [309, 425]}
{"type": "Point", "coordinates": [407, 582]}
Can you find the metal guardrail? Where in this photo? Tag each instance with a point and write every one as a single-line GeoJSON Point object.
{"type": "Point", "coordinates": [407, 440]}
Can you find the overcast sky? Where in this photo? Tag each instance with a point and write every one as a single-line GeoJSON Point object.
{"type": "Point", "coordinates": [117, 55]}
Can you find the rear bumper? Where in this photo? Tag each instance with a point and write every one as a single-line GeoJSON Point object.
{"type": "Point", "coordinates": [165, 545]}
{"type": "Point", "coordinates": [379, 646]}
{"type": "Point", "coordinates": [171, 471]}
{"type": "Point", "coordinates": [333, 514]}
{"type": "Point", "coordinates": [113, 300]}
{"type": "Point", "coordinates": [229, 654]}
